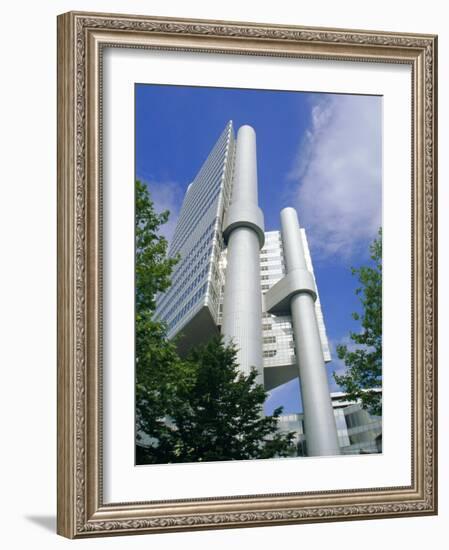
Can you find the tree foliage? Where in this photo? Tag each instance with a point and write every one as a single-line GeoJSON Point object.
{"type": "Point", "coordinates": [218, 414]}
{"type": "Point", "coordinates": [364, 357]}
{"type": "Point", "coordinates": [195, 408]}
{"type": "Point", "coordinates": [157, 363]}
{"type": "Point", "coordinates": [153, 267]}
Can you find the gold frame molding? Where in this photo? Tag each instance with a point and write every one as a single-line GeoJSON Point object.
{"type": "Point", "coordinates": [81, 38]}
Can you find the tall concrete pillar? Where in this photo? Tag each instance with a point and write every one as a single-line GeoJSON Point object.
{"type": "Point", "coordinates": [319, 420]}
{"type": "Point", "coordinates": [243, 232]}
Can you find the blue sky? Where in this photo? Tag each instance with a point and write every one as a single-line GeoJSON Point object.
{"type": "Point", "coordinates": [321, 153]}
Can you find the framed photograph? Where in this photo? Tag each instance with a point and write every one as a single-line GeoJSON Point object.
{"type": "Point", "coordinates": [246, 274]}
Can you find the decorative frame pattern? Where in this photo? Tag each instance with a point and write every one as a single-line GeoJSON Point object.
{"type": "Point", "coordinates": [81, 37]}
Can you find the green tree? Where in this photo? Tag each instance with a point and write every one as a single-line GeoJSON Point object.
{"type": "Point", "coordinates": [153, 267]}
{"type": "Point", "coordinates": [219, 412]}
{"type": "Point", "coordinates": [157, 363]}
{"type": "Point", "coordinates": [364, 358]}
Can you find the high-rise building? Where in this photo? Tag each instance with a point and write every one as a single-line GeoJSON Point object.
{"type": "Point", "coordinates": [191, 304]}
{"type": "Point", "coordinates": [257, 288]}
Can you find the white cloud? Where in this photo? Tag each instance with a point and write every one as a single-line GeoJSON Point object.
{"type": "Point", "coordinates": [337, 366]}
{"type": "Point", "coordinates": [339, 174]}
{"type": "Point", "coordinates": [167, 195]}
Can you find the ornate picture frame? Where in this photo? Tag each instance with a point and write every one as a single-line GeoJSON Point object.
{"type": "Point", "coordinates": [82, 39]}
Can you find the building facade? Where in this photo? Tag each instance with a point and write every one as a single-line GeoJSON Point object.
{"type": "Point", "coordinates": [278, 344]}
{"type": "Point", "coordinates": [191, 305]}
{"type": "Point", "coordinates": [358, 431]}
{"type": "Point", "coordinates": [256, 288]}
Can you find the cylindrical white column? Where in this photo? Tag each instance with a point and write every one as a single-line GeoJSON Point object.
{"type": "Point", "coordinates": [242, 305]}
{"type": "Point", "coordinates": [242, 310]}
{"type": "Point", "coordinates": [319, 421]}
{"type": "Point", "coordinates": [245, 170]}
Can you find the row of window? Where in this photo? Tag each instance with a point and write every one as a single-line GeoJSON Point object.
{"type": "Point", "coordinates": [200, 292]}
{"type": "Point", "coordinates": [187, 221]}
{"type": "Point", "coordinates": [273, 269]}
{"type": "Point", "coordinates": [275, 260]}
{"type": "Point", "coordinates": [205, 238]}
{"type": "Point", "coordinates": [180, 283]}
{"type": "Point", "coordinates": [271, 251]}
{"type": "Point", "coordinates": [202, 188]}
{"type": "Point", "coordinates": [271, 275]}
{"type": "Point", "coordinates": [187, 291]}
{"type": "Point", "coordinates": [279, 330]}
{"type": "Point", "coordinates": [176, 289]}
{"type": "Point", "coordinates": [199, 193]}
{"type": "Point", "coordinates": [208, 179]}
{"type": "Point", "coordinates": [193, 222]}
{"type": "Point", "coordinates": [186, 267]}
{"type": "Point", "coordinates": [287, 358]}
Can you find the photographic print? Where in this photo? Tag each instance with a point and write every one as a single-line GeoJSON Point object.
{"type": "Point", "coordinates": [246, 274]}
{"type": "Point", "coordinates": [258, 274]}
